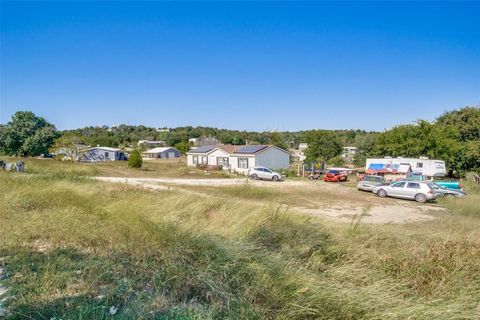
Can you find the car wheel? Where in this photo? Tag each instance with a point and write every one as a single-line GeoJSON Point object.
{"type": "Point", "coordinates": [254, 177]}
{"type": "Point", "coordinates": [382, 193]}
{"type": "Point", "coordinates": [421, 198]}
{"type": "Point", "coordinates": [275, 178]}
{"type": "Point", "coordinates": [311, 178]}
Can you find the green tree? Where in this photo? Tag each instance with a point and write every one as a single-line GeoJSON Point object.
{"type": "Point", "coordinates": [322, 145]}
{"type": "Point", "coordinates": [465, 120]}
{"type": "Point", "coordinates": [135, 159]}
{"type": "Point", "coordinates": [365, 149]}
{"type": "Point", "coordinates": [27, 135]}
{"type": "Point", "coordinates": [183, 146]}
{"type": "Point", "coordinates": [68, 146]}
{"type": "Point", "coordinates": [277, 140]}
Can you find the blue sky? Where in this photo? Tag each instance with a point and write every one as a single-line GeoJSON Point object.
{"type": "Point", "coordinates": [252, 66]}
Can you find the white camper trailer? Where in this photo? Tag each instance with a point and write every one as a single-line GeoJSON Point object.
{"type": "Point", "coordinates": [423, 166]}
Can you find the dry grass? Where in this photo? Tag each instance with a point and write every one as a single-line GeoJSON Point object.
{"type": "Point", "coordinates": [73, 248]}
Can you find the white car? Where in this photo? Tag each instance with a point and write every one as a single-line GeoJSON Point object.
{"type": "Point", "coordinates": [264, 173]}
{"type": "Point", "coordinates": [420, 191]}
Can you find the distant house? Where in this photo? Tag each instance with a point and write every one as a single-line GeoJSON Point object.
{"type": "Point", "coordinates": [349, 152]}
{"type": "Point", "coordinates": [302, 146]}
{"type": "Point", "coordinates": [151, 143]}
{"type": "Point", "coordinates": [163, 153]}
{"type": "Point", "coordinates": [246, 157]}
{"type": "Point", "coordinates": [96, 154]}
{"type": "Point", "coordinates": [240, 158]}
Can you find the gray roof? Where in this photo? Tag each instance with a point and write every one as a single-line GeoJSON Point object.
{"type": "Point", "coordinates": [251, 149]}
{"type": "Point", "coordinates": [104, 148]}
{"type": "Point", "coordinates": [202, 149]}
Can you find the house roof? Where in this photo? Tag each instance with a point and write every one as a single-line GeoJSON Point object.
{"type": "Point", "coordinates": [232, 149]}
{"type": "Point", "coordinates": [202, 149]}
{"type": "Point", "coordinates": [251, 149]}
{"type": "Point", "coordinates": [159, 150]}
{"type": "Point", "coordinates": [104, 148]}
{"type": "Point", "coordinates": [255, 149]}
{"type": "Point", "coordinates": [228, 148]}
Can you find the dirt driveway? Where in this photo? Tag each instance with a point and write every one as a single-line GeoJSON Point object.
{"type": "Point", "coordinates": [353, 206]}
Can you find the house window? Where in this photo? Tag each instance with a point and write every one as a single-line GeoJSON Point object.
{"type": "Point", "coordinates": [195, 159]}
{"type": "Point", "coordinates": [222, 161]}
{"type": "Point", "coordinates": [243, 163]}
{"type": "Point", "coordinates": [419, 164]}
{"type": "Point", "coordinates": [106, 154]}
{"type": "Point", "coordinates": [204, 159]}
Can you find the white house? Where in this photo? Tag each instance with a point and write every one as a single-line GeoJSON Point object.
{"type": "Point", "coordinates": [163, 153]}
{"type": "Point", "coordinates": [422, 165]}
{"type": "Point", "coordinates": [214, 155]}
{"type": "Point", "coordinates": [102, 154]}
{"type": "Point", "coordinates": [240, 158]}
{"type": "Point", "coordinates": [349, 152]}
{"type": "Point", "coordinates": [246, 157]}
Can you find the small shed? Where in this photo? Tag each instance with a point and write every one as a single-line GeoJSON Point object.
{"type": "Point", "coordinates": [162, 153]}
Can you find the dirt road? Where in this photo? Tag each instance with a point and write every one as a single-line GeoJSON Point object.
{"type": "Point", "coordinates": [356, 205]}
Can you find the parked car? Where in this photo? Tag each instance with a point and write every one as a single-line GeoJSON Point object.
{"type": "Point", "coordinates": [420, 191]}
{"type": "Point", "coordinates": [264, 173]}
{"type": "Point", "coordinates": [447, 192]}
{"type": "Point", "coordinates": [335, 176]}
{"type": "Point", "coordinates": [451, 184]}
{"type": "Point", "coordinates": [369, 182]}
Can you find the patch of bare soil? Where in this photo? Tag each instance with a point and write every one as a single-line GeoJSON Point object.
{"type": "Point", "coordinates": [373, 215]}
{"type": "Point", "coordinates": [355, 206]}
{"type": "Point", "coordinates": [150, 182]}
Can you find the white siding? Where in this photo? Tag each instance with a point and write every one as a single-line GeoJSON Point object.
{"type": "Point", "coordinates": [234, 163]}
{"type": "Point", "coordinates": [200, 157]}
{"type": "Point", "coordinates": [273, 158]}
{"type": "Point", "coordinates": [212, 157]}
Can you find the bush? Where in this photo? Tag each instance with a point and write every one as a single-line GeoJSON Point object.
{"type": "Point", "coordinates": [135, 160]}
{"type": "Point", "coordinates": [337, 161]}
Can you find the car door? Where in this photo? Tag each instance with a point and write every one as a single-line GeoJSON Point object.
{"type": "Point", "coordinates": [268, 173]}
{"type": "Point", "coordinates": [260, 173]}
{"type": "Point", "coordinates": [396, 189]}
{"type": "Point", "coordinates": [412, 189]}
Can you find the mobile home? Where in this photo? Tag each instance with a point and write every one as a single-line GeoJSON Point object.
{"type": "Point", "coordinates": [424, 166]}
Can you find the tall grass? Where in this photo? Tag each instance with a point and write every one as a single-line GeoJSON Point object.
{"type": "Point", "coordinates": [75, 248]}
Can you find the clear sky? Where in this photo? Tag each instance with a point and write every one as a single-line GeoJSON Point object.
{"type": "Point", "coordinates": [252, 66]}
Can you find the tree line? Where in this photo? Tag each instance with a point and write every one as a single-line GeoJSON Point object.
{"type": "Point", "coordinates": [453, 137]}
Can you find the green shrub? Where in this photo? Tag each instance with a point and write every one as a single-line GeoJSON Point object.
{"type": "Point", "coordinates": [135, 159]}
{"type": "Point", "coordinates": [337, 161]}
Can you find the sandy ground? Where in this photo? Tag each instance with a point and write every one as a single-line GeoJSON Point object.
{"type": "Point", "coordinates": [358, 206]}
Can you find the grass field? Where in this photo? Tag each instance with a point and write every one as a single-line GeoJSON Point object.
{"type": "Point", "coordinates": [73, 248]}
{"type": "Point", "coordinates": [158, 168]}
